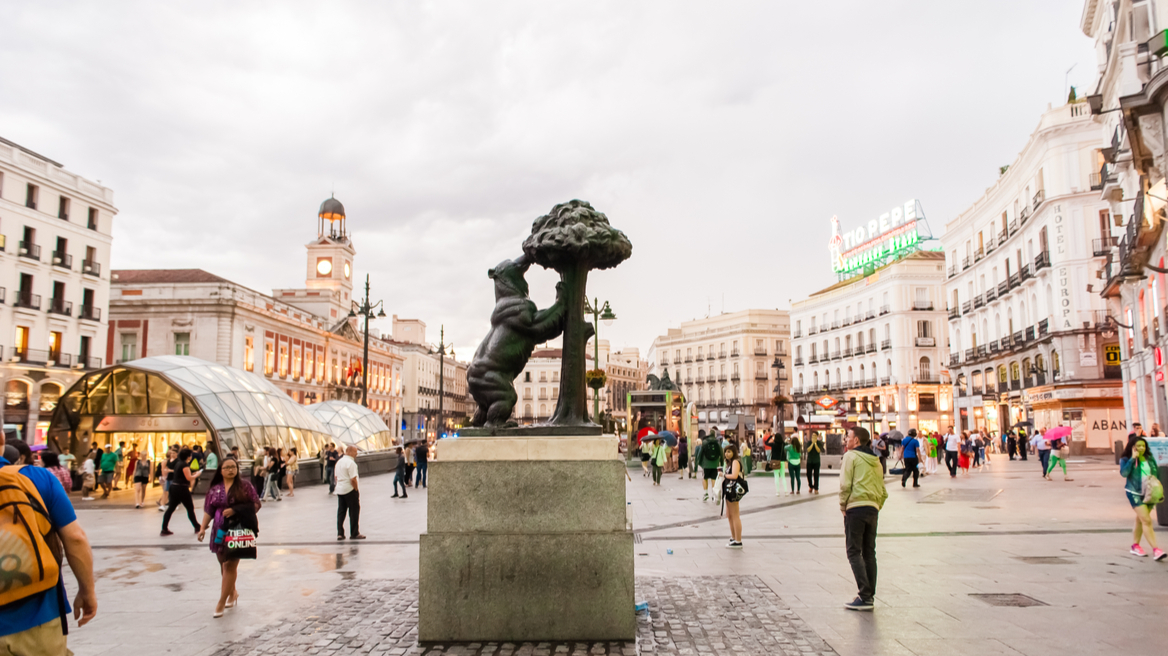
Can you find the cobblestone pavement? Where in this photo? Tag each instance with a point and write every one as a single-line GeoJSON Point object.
{"type": "Point", "coordinates": [687, 615]}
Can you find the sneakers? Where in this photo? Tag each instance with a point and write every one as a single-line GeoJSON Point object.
{"type": "Point", "coordinates": [1158, 554]}
{"type": "Point", "coordinates": [1137, 550]}
{"type": "Point", "coordinates": [858, 604]}
{"type": "Point", "coordinates": [91, 499]}
{"type": "Point", "coordinates": [165, 533]}
{"type": "Point", "coordinates": [734, 545]}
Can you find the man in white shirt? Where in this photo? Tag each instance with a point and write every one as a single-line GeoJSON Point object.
{"type": "Point", "coordinates": [952, 445]}
{"type": "Point", "coordinates": [348, 495]}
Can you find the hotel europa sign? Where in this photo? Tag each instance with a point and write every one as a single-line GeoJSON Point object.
{"type": "Point", "coordinates": [877, 242]}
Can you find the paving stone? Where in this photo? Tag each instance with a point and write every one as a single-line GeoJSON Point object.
{"type": "Point", "coordinates": [738, 615]}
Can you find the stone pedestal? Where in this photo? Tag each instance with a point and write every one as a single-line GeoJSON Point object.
{"type": "Point", "coordinates": [527, 540]}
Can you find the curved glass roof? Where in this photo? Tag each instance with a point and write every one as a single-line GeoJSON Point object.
{"type": "Point", "coordinates": [353, 424]}
{"type": "Point", "coordinates": [245, 409]}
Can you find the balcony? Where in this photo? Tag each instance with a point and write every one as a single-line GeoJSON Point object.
{"type": "Point", "coordinates": [1013, 227]}
{"type": "Point", "coordinates": [979, 301]}
{"type": "Point", "coordinates": [1102, 247]}
{"type": "Point", "coordinates": [1043, 327]}
{"type": "Point", "coordinates": [710, 356]}
{"type": "Point", "coordinates": [26, 299]}
{"type": "Point", "coordinates": [870, 347]}
{"type": "Point", "coordinates": [1030, 334]}
{"type": "Point", "coordinates": [1003, 288]}
{"type": "Point", "coordinates": [664, 363]}
{"type": "Point", "coordinates": [797, 334]}
{"type": "Point", "coordinates": [970, 355]}
{"type": "Point", "coordinates": [1018, 339]}
{"type": "Point", "coordinates": [885, 309]}
{"type": "Point", "coordinates": [735, 377]}
{"type": "Point", "coordinates": [967, 307]}
{"type": "Point", "coordinates": [990, 246]}
{"type": "Point", "coordinates": [1024, 215]}
{"type": "Point", "coordinates": [954, 359]}
{"type": "Point", "coordinates": [1038, 198]}
{"type": "Point", "coordinates": [1005, 342]}
{"type": "Point", "coordinates": [688, 380]}
{"type": "Point", "coordinates": [32, 356]}
{"type": "Point", "coordinates": [735, 353]}
{"type": "Point", "coordinates": [954, 313]}
{"type": "Point", "coordinates": [952, 270]}
{"type": "Point", "coordinates": [813, 359]}
{"type": "Point", "coordinates": [975, 389]}
{"type": "Point", "coordinates": [1015, 384]}
{"type": "Point", "coordinates": [981, 351]}
{"type": "Point", "coordinates": [885, 345]}
{"type": "Point", "coordinates": [1024, 273]}
{"type": "Point", "coordinates": [835, 324]}
{"type": "Point", "coordinates": [922, 305]}
{"type": "Point", "coordinates": [798, 362]}
{"type": "Point", "coordinates": [994, 346]}
{"type": "Point", "coordinates": [31, 251]}
{"type": "Point", "coordinates": [1042, 261]}
{"type": "Point", "coordinates": [60, 306]}
{"type": "Point", "coordinates": [847, 322]}
{"type": "Point", "coordinates": [886, 380]}
{"type": "Point", "coordinates": [836, 355]}
{"type": "Point", "coordinates": [711, 379]}
{"type": "Point", "coordinates": [926, 341]}
{"type": "Point", "coordinates": [1015, 280]}
{"type": "Point", "coordinates": [1002, 237]}
{"type": "Point", "coordinates": [721, 378]}
{"type": "Point", "coordinates": [760, 351]}
{"type": "Point", "coordinates": [722, 355]}
{"type": "Point", "coordinates": [965, 263]}
{"type": "Point", "coordinates": [63, 260]}
{"type": "Point", "coordinates": [89, 362]}
{"type": "Point", "coordinates": [978, 254]}
{"type": "Point", "coordinates": [91, 268]}
{"type": "Point", "coordinates": [760, 375]}
{"type": "Point", "coordinates": [926, 378]}
{"type": "Point", "coordinates": [991, 294]}
{"type": "Point", "coordinates": [870, 314]}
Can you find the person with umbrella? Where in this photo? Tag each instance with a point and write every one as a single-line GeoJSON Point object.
{"type": "Point", "coordinates": [1057, 440]}
{"type": "Point", "coordinates": [659, 454]}
{"type": "Point", "coordinates": [645, 447]}
{"type": "Point", "coordinates": [1043, 449]}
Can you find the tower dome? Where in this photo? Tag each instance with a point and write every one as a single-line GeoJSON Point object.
{"type": "Point", "coordinates": [331, 209]}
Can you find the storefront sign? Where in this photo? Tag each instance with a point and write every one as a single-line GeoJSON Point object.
{"type": "Point", "coordinates": [892, 233]}
{"type": "Point", "coordinates": [150, 423]}
{"type": "Point", "coordinates": [826, 402]}
{"type": "Point", "coordinates": [1111, 356]}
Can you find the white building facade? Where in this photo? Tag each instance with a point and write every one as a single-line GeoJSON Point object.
{"type": "Point", "coordinates": [1129, 103]}
{"type": "Point", "coordinates": [875, 342]}
{"type": "Point", "coordinates": [724, 364]}
{"type": "Point", "coordinates": [301, 339]}
{"type": "Point", "coordinates": [1024, 327]}
{"type": "Point", "coordinates": [55, 237]}
{"type": "Point", "coordinates": [422, 388]}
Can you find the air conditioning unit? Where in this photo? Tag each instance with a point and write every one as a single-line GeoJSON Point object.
{"type": "Point", "coordinates": [24, 251]}
{"type": "Point", "coordinates": [56, 260]}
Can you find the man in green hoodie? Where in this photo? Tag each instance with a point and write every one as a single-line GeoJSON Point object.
{"type": "Point", "coordinates": [862, 495]}
{"type": "Point", "coordinates": [709, 460]}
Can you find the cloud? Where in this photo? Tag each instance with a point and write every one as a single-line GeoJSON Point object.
{"type": "Point", "coordinates": [720, 138]}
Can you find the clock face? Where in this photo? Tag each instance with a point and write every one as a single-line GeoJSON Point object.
{"type": "Point", "coordinates": [347, 271]}
{"type": "Point", "coordinates": [324, 266]}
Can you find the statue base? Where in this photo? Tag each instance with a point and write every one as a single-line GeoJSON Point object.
{"type": "Point", "coordinates": [531, 431]}
{"type": "Point", "coordinates": [527, 540]}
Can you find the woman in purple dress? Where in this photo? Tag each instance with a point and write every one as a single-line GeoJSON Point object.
{"type": "Point", "coordinates": [229, 495]}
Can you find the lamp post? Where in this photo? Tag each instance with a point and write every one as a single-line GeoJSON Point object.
{"type": "Point", "coordinates": [778, 366]}
{"type": "Point", "coordinates": [365, 309]}
{"type": "Point", "coordinates": [441, 350]}
{"type": "Point", "coordinates": [599, 313]}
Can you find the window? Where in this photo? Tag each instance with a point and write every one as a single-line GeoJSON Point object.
{"type": "Point", "coordinates": [269, 358]}
{"type": "Point", "coordinates": [283, 360]}
{"type": "Point", "coordinates": [248, 354]}
{"type": "Point", "coordinates": [527, 376]}
{"type": "Point", "coordinates": [31, 195]}
{"type": "Point", "coordinates": [296, 361]}
{"type": "Point", "coordinates": [92, 224]}
{"type": "Point", "coordinates": [129, 346]}
{"type": "Point", "coordinates": [84, 349]}
{"type": "Point", "coordinates": [63, 209]}
{"type": "Point", "coordinates": [55, 346]}
{"type": "Point", "coordinates": [182, 343]}
{"type": "Point", "coordinates": [924, 329]}
{"type": "Point", "coordinates": [926, 370]}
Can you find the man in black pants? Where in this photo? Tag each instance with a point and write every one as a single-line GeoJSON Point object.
{"type": "Point", "coordinates": [912, 461]}
{"type": "Point", "coordinates": [861, 497]}
{"type": "Point", "coordinates": [348, 495]}
{"type": "Point", "coordinates": [952, 444]}
{"type": "Point", "coordinates": [331, 456]}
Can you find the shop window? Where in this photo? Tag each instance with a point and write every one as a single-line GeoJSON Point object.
{"type": "Point", "coordinates": [16, 395]}
{"type": "Point", "coordinates": [50, 395]}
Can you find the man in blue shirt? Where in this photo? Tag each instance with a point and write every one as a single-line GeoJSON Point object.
{"type": "Point", "coordinates": [32, 625]}
{"type": "Point", "coordinates": [911, 456]}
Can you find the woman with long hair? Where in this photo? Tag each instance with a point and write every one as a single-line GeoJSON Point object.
{"type": "Point", "coordinates": [141, 474]}
{"type": "Point", "coordinates": [814, 452]}
{"type": "Point", "coordinates": [795, 458]}
{"type": "Point", "coordinates": [291, 465]}
{"type": "Point", "coordinates": [230, 495]}
{"type": "Point", "coordinates": [272, 481]}
{"type": "Point", "coordinates": [1137, 465]}
{"type": "Point", "coordinates": [733, 475]}
{"type": "Point", "coordinates": [180, 491]}
{"type": "Point", "coordinates": [52, 462]}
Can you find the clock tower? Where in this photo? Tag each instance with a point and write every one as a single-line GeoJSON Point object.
{"type": "Point", "coordinates": [329, 279]}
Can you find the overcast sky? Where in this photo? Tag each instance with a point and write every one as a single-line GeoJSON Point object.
{"type": "Point", "coordinates": [721, 137]}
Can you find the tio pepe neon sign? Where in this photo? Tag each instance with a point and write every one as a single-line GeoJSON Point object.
{"type": "Point", "coordinates": [893, 231]}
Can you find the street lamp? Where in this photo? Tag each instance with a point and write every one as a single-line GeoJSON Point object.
{"type": "Point", "coordinates": [365, 309]}
{"type": "Point", "coordinates": [599, 313]}
{"type": "Point", "coordinates": [441, 351]}
{"type": "Point", "coordinates": [778, 366]}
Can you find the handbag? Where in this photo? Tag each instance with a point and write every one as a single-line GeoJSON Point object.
{"type": "Point", "coordinates": [1153, 491]}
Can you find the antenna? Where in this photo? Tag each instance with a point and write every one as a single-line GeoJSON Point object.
{"type": "Point", "coordinates": [1066, 79]}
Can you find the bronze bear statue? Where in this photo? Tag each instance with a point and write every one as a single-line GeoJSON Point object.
{"type": "Point", "coordinates": [516, 327]}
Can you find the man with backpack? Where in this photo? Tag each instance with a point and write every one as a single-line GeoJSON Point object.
{"type": "Point", "coordinates": [709, 459]}
{"type": "Point", "coordinates": [880, 448]}
{"type": "Point", "coordinates": [33, 605]}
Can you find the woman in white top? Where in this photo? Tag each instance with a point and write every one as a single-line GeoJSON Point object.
{"type": "Point", "coordinates": [88, 479]}
{"type": "Point", "coordinates": [292, 466]}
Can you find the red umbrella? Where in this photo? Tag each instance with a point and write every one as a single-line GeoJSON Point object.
{"type": "Point", "coordinates": [643, 432]}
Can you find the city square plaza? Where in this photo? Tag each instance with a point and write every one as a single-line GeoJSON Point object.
{"type": "Point", "coordinates": [950, 555]}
